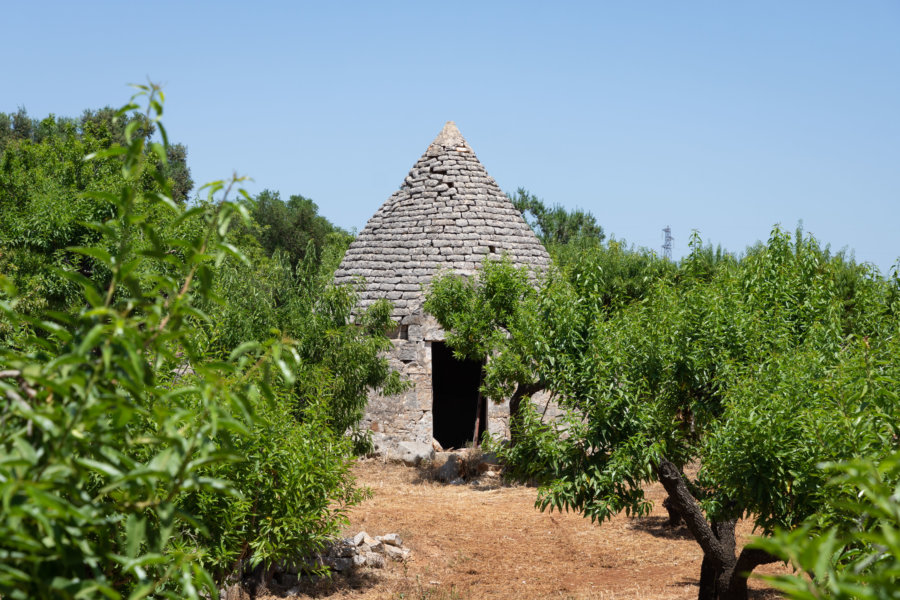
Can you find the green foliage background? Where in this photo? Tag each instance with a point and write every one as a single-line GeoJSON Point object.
{"type": "Point", "coordinates": [177, 392]}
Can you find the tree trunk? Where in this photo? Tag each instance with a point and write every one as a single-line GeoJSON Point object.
{"type": "Point", "coordinates": [724, 532]}
{"type": "Point", "coordinates": [749, 559]}
{"type": "Point", "coordinates": [723, 576]}
{"type": "Point", "coordinates": [708, 573]}
{"type": "Point", "coordinates": [674, 517]}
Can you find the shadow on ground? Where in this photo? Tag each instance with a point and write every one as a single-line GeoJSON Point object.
{"type": "Point", "coordinates": [659, 527]}
{"type": "Point", "coordinates": [321, 587]}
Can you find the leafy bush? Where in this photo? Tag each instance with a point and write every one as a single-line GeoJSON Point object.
{"type": "Point", "coordinates": [856, 558]}
{"type": "Point", "coordinates": [294, 488]}
{"type": "Point", "coordinates": [149, 445]}
{"type": "Point", "coordinates": [43, 207]}
{"type": "Point", "coordinates": [96, 444]}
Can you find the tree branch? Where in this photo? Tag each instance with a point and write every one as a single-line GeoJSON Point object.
{"type": "Point", "coordinates": [750, 558]}
{"type": "Point", "coordinates": [670, 476]}
{"type": "Point", "coordinates": [522, 390]}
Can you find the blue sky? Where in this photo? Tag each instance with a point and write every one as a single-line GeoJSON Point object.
{"type": "Point", "coordinates": [723, 117]}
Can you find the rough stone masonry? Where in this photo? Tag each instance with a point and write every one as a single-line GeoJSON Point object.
{"type": "Point", "coordinates": [448, 215]}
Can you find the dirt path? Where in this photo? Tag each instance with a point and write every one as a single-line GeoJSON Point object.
{"type": "Point", "coordinates": [488, 541]}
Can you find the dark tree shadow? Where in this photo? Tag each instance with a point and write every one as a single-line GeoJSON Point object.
{"type": "Point", "coordinates": [322, 587]}
{"type": "Point", "coordinates": [659, 527]}
{"type": "Point", "coordinates": [768, 594]}
{"type": "Point", "coordinates": [694, 583]}
{"type": "Point", "coordinates": [469, 477]}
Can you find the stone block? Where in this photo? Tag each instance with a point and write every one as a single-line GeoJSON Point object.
{"type": "Point", "coordinates": [405, 351]}
{"type": "Point", "coordinates": [396, 553]}
{"type": "Point", "coordinates": [340, 564]}
{"type": "Point", "coordinates": [434, 333]}
{"type": "Point", "coordinates": [390, 539]}
{"type": "Point", "coordinates": [343, 549]}
{"type": "Point", "coordinates": [413, 453]}
{"type": "Point", "coordinates": [374, 560]}
{"type": "Point", "coordinates": [373, 544]}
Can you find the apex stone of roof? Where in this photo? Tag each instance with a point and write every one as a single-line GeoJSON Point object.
{"type": "Point", "coordinates": [449, 137]}
{"type": "Point", "coordinates": [448, 215]}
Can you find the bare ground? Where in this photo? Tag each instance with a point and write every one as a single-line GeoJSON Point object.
{"type": "Point", "coordinates": [488, 541]}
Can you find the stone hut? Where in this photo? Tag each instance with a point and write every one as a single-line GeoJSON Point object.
{"type": "Point", "coordinates": [447, 216]}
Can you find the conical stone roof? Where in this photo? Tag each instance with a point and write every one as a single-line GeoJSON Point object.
{"type": "Point", "coordinates": [447, 215]}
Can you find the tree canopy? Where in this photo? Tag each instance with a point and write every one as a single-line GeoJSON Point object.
{"type": "Point", "coordinates": [176, 399]}
{"type": "Point", "coordinates": [756, 369]}
{"type": "Point", "coordinates": [45, 206]}
{"type": "Point", "coordinates": [556, 225]}
{"type": "Point", "coordinates": [294, 227]}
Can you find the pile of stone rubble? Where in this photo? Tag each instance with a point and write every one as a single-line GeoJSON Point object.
{"type": "Point", "coordinates": [364, 550]}
{"type": "Point", "coordinates": [343, 556]}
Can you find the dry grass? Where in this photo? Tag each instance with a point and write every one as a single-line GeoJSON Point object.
{"type": "Point", "coordinates": [488, 541]}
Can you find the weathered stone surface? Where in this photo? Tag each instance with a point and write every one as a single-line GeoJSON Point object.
{"type": "Point", "coordinates": [412, 453]}
{"type": "Point", "coordinates": [343, 549]}
{"type": "Point", "coordinates": [391, 539]}
{"type": "Point", "coordinates": [340, 564]}
{"type": "Point", "coordinates": [405, 352]}
{"type": "Point", "coordinates": [447, 198]}
{"type": "Point", "coordinates": [374, 560]}
{"type": "Point", "coordinates": [396, 552]}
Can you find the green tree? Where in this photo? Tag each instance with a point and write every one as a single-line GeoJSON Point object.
{"type": "Point", "coordinates": [43, 205]}
{"type": "Point", "coordinates": [96, 443]}
{"type": "Point", "coordinates": [103, 127]}
{"type": "Point", "coordinates": [293, 227]}
{"type": "Point", "coordinates": [556, 225]}
{"type": "Point", "coordinates": [169, 422]}
{"type": "Point", "coordinates": [500, 313]}
{"type": "Point", "coordinates": [758, 369]}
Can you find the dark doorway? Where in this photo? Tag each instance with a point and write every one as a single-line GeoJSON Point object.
{"type": "Point", "coordinates": [455, 402]}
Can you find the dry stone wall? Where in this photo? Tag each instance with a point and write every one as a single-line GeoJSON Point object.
{"type": "Point", "coordinates": [448, 215]}
{"type": "Point", "coordinates": [402, 425]}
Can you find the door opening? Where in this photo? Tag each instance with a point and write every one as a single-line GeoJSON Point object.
{"type": "Point", "coordinates": [457, 408]}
